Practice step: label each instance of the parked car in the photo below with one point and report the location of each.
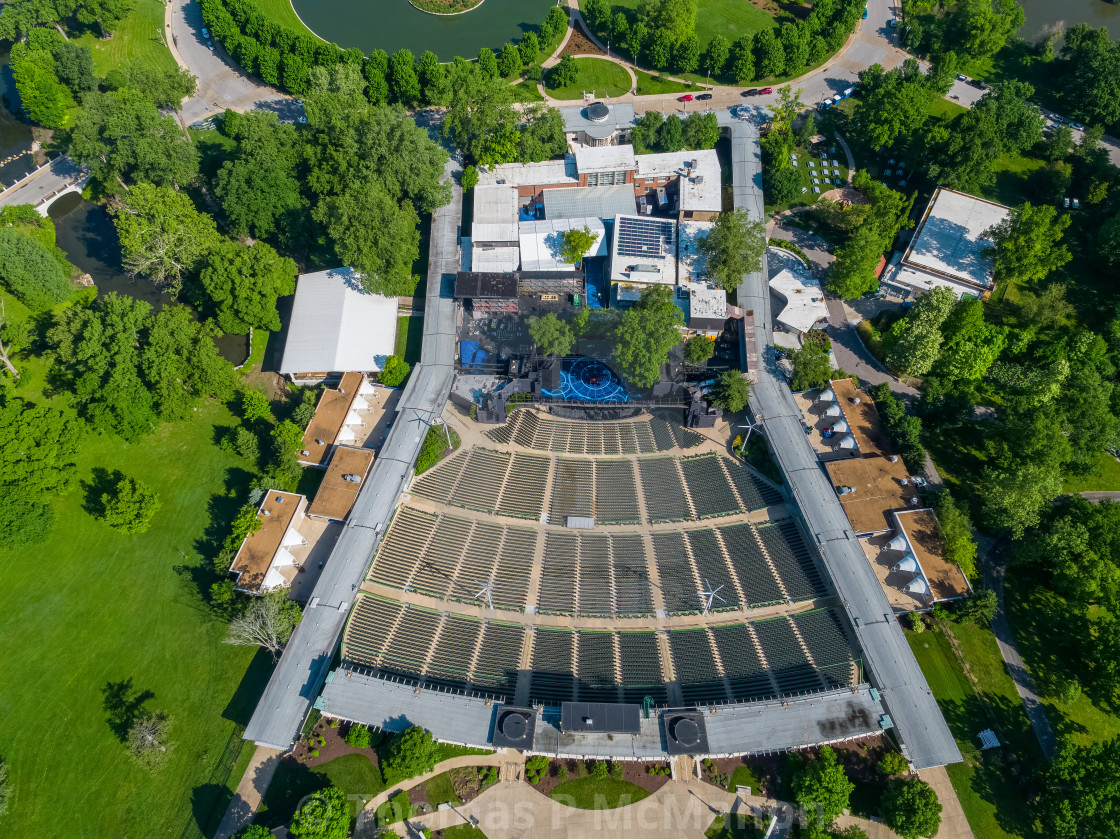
(865, 14)
(961, 77)
(752, 92)
(892, 22)
(704, 97)
(765, 91)
(686, 98)
(206, 33)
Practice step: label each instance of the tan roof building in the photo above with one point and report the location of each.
(879, 485)
(862, 417)
(922, 532)
(345, 474)
(339, 419)
(265, 561)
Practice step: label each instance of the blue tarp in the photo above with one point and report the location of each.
(471, 355)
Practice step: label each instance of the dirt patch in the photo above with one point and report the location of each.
(272, 385)
(329, 744)
(580, 43)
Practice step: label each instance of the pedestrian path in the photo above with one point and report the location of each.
(250, 791)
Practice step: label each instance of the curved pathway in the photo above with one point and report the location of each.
(543, 91)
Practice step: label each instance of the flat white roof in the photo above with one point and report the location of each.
(541, 242)
(692, 264)
(706, 302)
(338, 326)
(644, 250)
(917, 279)
(530, 174)
(501, 260)
(949, 241)
(599, 158)
(805, 303)
(699, 175)
(620, 116)
(494, 204)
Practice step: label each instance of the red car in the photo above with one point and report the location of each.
(765, 90)
(686, 98)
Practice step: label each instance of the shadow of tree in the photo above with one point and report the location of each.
(123, 703)
(102, 482)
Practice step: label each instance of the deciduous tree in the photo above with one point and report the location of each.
(269, 622)
(243, 284)
(730, 392)
(823, 788)
(1028, 243)
(410, 753)
(325, 815)
(130, 507)
(552, 336)
(646, 334)
(911, 809)
(733, 247)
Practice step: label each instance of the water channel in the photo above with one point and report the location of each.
(1094, 12)
(393, 24)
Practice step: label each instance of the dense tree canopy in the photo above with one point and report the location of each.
(323, 815)
(911, 808)
(243, 283)
(551, 335)
(129, 368)
(130, 506)
(38, 445)
(31, 271)
(733, 247)
(124, 138)
(1028, 243)
(646, 334)
(410, 753)
(1091, 61)
(823, 788)
(165, 86)
(164, 238)
(893, 105)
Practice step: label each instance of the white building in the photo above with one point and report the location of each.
(644, 250)
(337, 327)
(949, 247)
(541, 243)
(804, 300)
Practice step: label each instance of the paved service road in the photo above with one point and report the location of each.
(221, 83)
(43, 182)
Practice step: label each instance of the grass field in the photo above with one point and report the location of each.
(440, 790)
(985, 782)
(1107, 478)
(281, 12)
(651, 84)
(526, 91)
(730, 18)
(595, 74)
(410, 335)
(1035, 616)
(355, 774)
(593, 794)
(138, 38)
(92, 607)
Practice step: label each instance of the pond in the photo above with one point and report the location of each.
(85, 231)
(1094, 12)
(395, 24)
(15, 131)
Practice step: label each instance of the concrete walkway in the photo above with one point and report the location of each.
(994, 570)
(682, 809)
(250, 791)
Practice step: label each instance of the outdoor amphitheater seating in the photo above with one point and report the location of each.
(616, 498)
(573, 490)
(746, 676)
(663, 489)
(453, 651)
(499, 657)
(559, 586)
(639, 662)
(512, 572)
(436, 566)
(708, 486)
(792, 560)
(482, 480)
(707, 553)
(695, 666)
(523, 494)
(369, 628)
(596, 584)
(596, 668)
(407, 650)
(632, 586)
(439, 482)
(786, 657)
(679, 586)
(754, 492)
(750, 566)
(530, 430)
(828, 645)
(397, 555)
(553, 675)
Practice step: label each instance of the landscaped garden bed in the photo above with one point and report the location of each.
(595, 785)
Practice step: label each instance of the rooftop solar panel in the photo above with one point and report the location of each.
(644, 238)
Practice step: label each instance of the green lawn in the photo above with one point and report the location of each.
(1037, 617)
(526, 91)
(140, 38)
(410, 334)
(985, 782)
(1107, 478)
(91, 607)
(355, 774)
(651, 84)
(281, 12)
(440, 790)
(593, 794)
(730, 18)
(743, 776)
(733, 827)
(603, 77)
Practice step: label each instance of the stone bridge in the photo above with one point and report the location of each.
(45, 185)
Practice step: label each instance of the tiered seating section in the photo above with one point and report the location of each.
(725, 663)
(675, 488)
(530, 430)
(596, 574)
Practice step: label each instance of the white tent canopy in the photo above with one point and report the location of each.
(898, 543)
(840, 426)
(847, 442)
(918, 585)
(826, 395)
(833, 410)
(908, 563)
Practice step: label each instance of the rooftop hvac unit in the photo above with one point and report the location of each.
(699, 179)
